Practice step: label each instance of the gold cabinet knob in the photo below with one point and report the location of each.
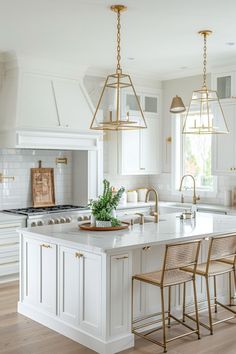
(146, 248)
(46, 246)
(123, 257)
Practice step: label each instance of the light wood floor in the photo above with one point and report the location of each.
(20, 335)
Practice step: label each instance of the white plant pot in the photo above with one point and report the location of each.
(93, 220)
(100, 223)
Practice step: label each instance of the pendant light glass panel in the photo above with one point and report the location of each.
(118, 115)
(205, 115)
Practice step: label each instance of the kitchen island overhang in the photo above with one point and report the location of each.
(78, 283)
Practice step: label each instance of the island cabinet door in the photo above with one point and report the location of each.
(69, 284)
(40, 274)
(152, 260)
(120, 284)
(90, 293)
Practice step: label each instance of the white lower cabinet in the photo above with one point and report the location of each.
(69, 285)
(90, 293)
(79, 278)
(9, 250)
(119, 296)
(40, 269)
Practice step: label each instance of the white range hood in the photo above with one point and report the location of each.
(44, 105)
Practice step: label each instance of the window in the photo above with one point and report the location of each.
(193, 156)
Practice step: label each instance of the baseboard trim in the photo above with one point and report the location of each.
(111, 346)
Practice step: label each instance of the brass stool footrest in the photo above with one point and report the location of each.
(147, 316)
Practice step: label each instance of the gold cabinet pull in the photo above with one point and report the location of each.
(2, 177)
(146, 248)
(119, 258)
(78, 255)
(46, 246)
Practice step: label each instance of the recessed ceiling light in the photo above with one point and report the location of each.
(230, 43)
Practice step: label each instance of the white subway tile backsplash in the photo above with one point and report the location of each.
(17, 193)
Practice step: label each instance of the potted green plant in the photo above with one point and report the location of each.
(103, 208)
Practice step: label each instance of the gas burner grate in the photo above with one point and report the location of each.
(45, 210)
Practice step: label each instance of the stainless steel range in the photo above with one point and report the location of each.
(58, 214)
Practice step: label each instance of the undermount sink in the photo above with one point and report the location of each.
(147, 220)
(181, 205)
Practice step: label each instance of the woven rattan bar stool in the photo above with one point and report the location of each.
(220, 248)
(231, 260)
(177, 256)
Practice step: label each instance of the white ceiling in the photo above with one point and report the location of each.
(160, 34)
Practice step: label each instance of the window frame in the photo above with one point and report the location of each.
(177, 162)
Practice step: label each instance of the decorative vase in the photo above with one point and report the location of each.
(100, 223)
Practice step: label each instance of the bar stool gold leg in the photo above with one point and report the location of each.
(209, 304)
(230, 290)
(169, 305)
(215, 295)
(163, 318)
(132, 304)
(196, 307)
(234, 281)
(184, 299)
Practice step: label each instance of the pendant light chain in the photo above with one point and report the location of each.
(118, 68)
(204, 60)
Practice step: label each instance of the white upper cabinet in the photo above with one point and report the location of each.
(225, 85)
(136, 152)
(49, 102)
(224, 148)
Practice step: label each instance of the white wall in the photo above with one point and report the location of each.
(17, 163)
(182, 87)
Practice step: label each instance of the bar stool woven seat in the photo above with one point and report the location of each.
(215, 268)
(171, 277)
(229, 260)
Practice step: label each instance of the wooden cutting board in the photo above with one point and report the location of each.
(42, 183)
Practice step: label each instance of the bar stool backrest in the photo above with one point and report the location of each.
(180, 255)
(222, 247)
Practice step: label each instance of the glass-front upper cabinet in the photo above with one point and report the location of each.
(151, 104)
(224, 84)
(148, 102)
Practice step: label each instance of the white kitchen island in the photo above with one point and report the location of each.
(79, 283)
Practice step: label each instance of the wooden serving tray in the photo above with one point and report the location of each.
(87, 226)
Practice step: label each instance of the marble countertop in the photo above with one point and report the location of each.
(169, 229)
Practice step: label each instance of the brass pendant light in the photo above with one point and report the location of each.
(118, 116)
(177, 105)
(205, 114)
